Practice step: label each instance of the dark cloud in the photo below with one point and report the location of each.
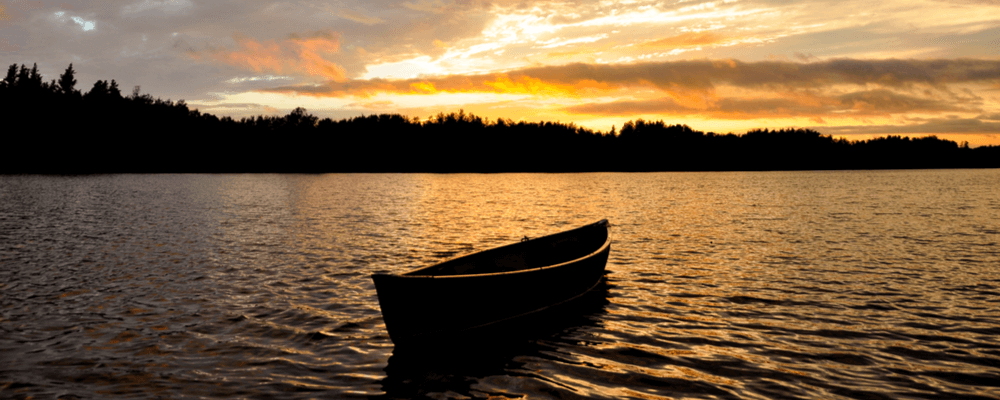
(707, 74)
(884, 101)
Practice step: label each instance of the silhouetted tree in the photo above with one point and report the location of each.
(300, 118)
(35, 78)
(23, 77)
(114, 90)
(140, 133)
(67, 83)
(11, 77)
(99, 91)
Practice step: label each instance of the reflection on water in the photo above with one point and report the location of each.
(464, 366)
(730, 285)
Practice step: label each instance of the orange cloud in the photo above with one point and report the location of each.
(527, 85)
(295, 55)
(311, 51)
(719, 89)
(489, 83)
(422, 88)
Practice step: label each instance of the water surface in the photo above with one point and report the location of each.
(810, 285)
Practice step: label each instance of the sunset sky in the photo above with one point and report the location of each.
(847, 68)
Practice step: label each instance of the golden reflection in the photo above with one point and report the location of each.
(660, 370)
(460, 212)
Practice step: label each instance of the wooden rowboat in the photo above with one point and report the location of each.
(477, 291)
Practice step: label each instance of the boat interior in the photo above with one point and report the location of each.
(534, 253)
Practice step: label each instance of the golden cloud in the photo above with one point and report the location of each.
(492, 83)
(300, 55)
(720, 89)
(687, 39)
(697, 75)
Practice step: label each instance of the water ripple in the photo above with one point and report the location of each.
(804, 285)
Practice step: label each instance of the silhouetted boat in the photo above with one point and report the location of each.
(477, 292)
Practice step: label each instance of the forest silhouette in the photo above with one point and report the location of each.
(65, 131)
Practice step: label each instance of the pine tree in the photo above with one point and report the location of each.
(67, 83)
(23, 77)
(114, 90)
(35, 79)
(100, 90)
(11, 77)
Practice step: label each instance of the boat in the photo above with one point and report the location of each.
(496, 287)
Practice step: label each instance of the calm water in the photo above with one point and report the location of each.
(811, 285)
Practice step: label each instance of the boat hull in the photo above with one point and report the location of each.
(418, 308)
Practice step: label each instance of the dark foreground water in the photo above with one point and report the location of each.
(812, 285)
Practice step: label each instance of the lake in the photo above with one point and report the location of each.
(791, 285)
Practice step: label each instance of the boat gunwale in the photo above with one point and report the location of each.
(607, 243)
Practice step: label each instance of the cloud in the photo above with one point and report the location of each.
(235, 110)
(265, 78)
(15, 10)
(358, 17)
(720, 89)
(542, 58)
(883, 101)
(299, 55)
(706, 74)
(559, 42)
(7, 46)
(159, 6)
(931, 126)
(702, 77)
(633, 107)
(687, 39)
(84, 24)
(491, 83)
(780, 105)
(427, 6)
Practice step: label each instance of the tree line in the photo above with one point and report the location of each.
(53, 127)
